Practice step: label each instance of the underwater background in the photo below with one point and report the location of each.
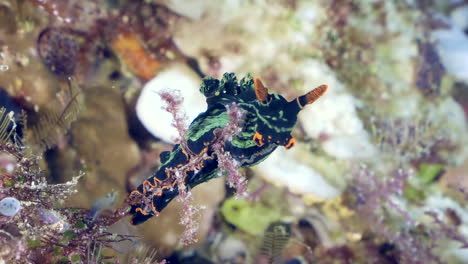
(92, 92)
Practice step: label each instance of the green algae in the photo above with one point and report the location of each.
(250, 217)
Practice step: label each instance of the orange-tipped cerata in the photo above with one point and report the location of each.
(312, 96)
(291, 143)
(258, 139)
(260, 91)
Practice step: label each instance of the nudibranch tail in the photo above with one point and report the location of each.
(312, 96)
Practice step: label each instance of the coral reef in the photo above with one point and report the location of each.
(92, 102)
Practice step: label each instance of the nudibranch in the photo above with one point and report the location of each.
(268, 122)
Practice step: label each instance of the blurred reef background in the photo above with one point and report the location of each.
(379, 172)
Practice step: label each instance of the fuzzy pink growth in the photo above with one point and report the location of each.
(173, 106)
(189, 212)
(372, 192)
(372, 195)
(225, 161)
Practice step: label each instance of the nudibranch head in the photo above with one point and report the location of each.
(277, 117)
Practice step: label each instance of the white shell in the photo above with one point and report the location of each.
(149, 107)
(9, 206)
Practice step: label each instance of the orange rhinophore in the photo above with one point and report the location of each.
(312, 96)
(260, 91)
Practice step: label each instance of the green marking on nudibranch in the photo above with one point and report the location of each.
(217, 119)
(241, 142)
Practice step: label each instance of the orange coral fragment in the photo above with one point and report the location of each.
(132, 52)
